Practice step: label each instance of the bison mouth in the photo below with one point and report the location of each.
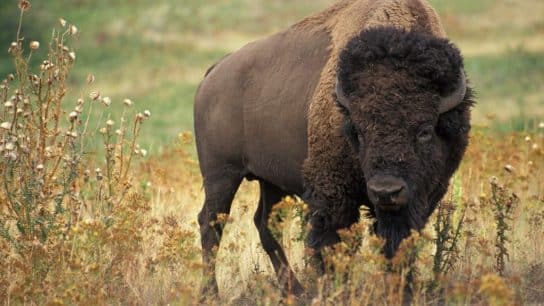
(389, 208)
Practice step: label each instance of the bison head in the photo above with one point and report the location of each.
(406, 109)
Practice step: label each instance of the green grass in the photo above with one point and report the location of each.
(521, 123)
(514, 72)
(156, 52)
(509, 85)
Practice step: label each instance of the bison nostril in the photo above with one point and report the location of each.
(387, 190)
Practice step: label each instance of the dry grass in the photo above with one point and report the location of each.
(74, 234)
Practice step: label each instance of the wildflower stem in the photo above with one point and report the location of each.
(19, 26)
(135, 132)
(85, 126)
(121, 141)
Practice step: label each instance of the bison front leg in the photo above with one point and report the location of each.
(325, 224)
(271, 195)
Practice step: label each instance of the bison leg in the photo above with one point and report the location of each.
(271, 195)
(219, 190)
(409, 277)
(324, 231)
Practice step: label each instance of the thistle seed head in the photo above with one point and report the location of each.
(6, 125)
(94, 95)
(106, 101)
(34, 45)
(73, 30)
(73, 116)
(24, 5)
(13, 48)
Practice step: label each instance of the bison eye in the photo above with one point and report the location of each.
(425, 134)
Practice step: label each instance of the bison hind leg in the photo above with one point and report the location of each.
(219, 189)
(271, 195)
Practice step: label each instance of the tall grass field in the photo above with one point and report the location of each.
(100, 186)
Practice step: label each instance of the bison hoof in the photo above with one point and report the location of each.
(209, 292)
(297, 289)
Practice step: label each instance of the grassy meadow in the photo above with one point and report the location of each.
(98, 201)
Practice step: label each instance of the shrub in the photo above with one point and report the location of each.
(62, 225)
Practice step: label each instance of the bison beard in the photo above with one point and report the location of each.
(395, 227)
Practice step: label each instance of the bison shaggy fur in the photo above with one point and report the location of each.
(365, 104)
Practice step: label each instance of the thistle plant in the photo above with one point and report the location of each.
(39, 151)
(448, 226)
(448, 231)
(503, 203)
(47, 192)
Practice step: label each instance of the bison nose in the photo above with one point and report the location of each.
(387, 192)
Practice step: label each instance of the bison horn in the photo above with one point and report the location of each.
(449, 102)
(340, 96)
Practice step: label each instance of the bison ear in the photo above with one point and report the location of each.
(340, 96)
(456, 124)
(456, 97)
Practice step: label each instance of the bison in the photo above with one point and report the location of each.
(363, 104)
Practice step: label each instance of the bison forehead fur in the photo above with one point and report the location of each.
(433, 61)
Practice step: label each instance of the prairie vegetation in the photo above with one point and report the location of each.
(87, 215)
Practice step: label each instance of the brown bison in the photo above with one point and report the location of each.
(365, 103)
